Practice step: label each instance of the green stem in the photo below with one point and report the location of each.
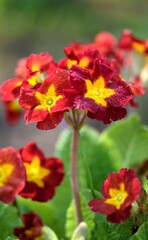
(74, 175)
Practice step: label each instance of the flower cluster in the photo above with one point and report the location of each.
(29, 173)
(120, 191)
(89, 79)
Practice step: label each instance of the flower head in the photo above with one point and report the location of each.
(101, 91)
(32, 227)
(43, 174)
(120, 191)
(46, 105)
(83, 59)
(39, 67)
(13, 111)
(10, 91)
(12, 174)
(129, 42)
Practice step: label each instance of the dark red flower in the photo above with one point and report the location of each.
(101, 91)
(32, 227)
(43, 174)
(12, 174)
(120, 191)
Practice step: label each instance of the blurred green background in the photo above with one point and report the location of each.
(33, 26)
(48, 25)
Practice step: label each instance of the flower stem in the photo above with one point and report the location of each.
(74, 175)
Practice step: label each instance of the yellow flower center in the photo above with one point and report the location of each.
(138, 47)
(35, 172)
(39, 77)
(35, 67)
(5, 172)
(84, 62)
(18, 84)
(118, 196)
(70, 63)
(14, 105)
(97, 91)
(29, 232)
(49, 99)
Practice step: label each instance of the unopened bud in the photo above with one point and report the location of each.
(80, 232)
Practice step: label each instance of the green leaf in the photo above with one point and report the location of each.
(106, 230)
(92, 152)
(122, 144)
(9, 219)
(129, 140)
(97, 155)
(87, 214)
(142, 233)
(44, 209)
(89, 153)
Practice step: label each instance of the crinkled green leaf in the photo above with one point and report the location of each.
(109, 231)
(142, 233)
(128, 139)
(9, 219)
(87, 214)
(97, 158)
(45, 210)
(122, 144)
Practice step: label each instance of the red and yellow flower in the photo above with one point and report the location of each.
(129, 42)
(101, 91)
(10, 91)
(13, 111)
(46, 105)
(84, 59)
(29, 72)
(120, 191)
(137, 64)
(104, 42)
(12, 174)
(39, 67)
(43, 174)
(32, 228)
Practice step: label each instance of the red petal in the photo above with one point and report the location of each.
(119, 216)
(99, 206)
(51, 121)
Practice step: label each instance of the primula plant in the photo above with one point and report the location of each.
(95, 187)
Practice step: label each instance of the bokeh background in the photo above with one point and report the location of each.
(34, 26)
